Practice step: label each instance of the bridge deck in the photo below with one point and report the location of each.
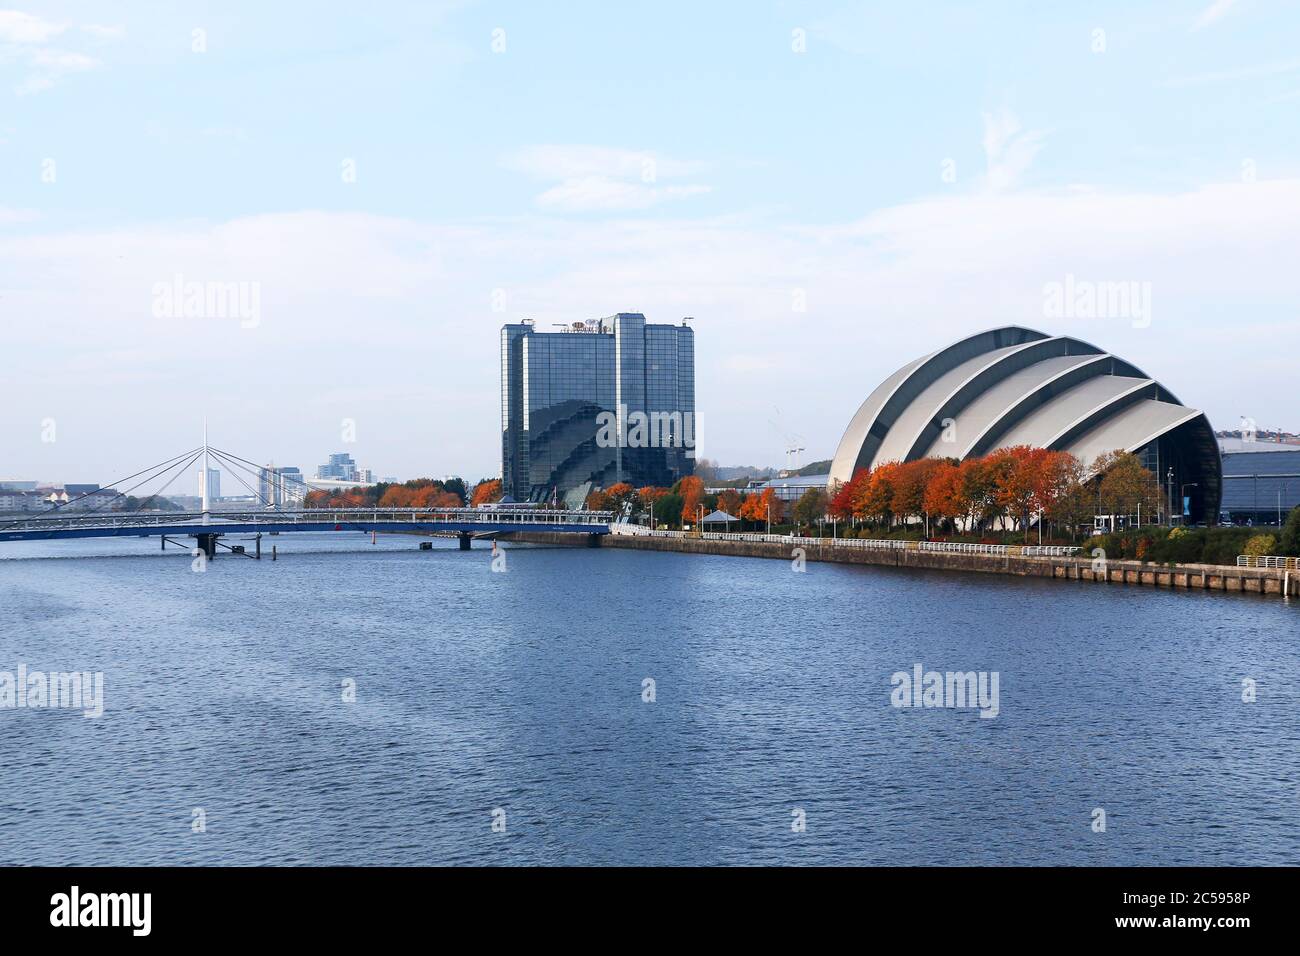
(450, 520)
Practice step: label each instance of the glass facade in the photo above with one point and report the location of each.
(559, 388)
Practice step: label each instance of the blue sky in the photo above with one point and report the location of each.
(908, 173)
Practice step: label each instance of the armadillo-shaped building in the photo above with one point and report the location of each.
(1016, 386)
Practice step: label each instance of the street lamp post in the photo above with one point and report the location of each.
(1169, 477)
(1182, 491)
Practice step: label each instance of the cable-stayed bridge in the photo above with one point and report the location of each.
(205, 526)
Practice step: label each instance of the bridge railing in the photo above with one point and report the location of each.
(487, 517)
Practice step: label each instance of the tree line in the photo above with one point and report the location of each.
(686, 502)
(1007, 489)
(416, 493)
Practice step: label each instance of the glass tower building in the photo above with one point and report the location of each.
(598, 403)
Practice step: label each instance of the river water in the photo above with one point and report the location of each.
(500, 718)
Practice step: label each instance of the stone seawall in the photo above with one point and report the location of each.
(1208, 577)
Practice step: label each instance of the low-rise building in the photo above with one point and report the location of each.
(1261, 481)
(14, 500)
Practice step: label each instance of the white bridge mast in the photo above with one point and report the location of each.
(203, 478)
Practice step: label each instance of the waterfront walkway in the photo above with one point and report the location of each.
(1056, 563)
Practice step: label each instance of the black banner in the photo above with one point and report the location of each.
(336, 904)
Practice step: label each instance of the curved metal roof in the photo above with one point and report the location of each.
(1017, 386)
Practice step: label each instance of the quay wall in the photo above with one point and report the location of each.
(1206, 577)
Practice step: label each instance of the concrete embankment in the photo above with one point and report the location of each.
(1208, 577)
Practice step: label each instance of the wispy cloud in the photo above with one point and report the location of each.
(1008, 149)
(17, 215)
(19, 27)
(1256, 71)
(600, 178)
(1213, 13)
(929, 271)
(25, 40)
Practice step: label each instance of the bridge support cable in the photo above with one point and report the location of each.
(257, 469)
(152, 473)
(170, 481)
(223, 458)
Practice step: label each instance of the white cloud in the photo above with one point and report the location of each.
(1008, 149)
(1241, 73)
(596, 193)
(17, 215)
(19, 27)
(573, 162)
(348, 297)
(24, 40)
(600, 178)
(1213, 13)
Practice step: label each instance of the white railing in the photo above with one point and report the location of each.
(499, 517)
(1268, 561)
(874, 544)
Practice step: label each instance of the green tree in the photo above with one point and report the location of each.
(1261, 544)
(810, 507)
(1126, 487)
(457, 487)
(668, 510)
(1290, 543)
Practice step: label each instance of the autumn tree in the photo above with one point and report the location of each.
(622, 497)
(1018, 481)
(1126, 487)
(691, 488)
(486, 492)
(396, 496)
(774, 505)
(911, 478)
(1075, 500)
(846, 497)
(729, 501)
(977, 493)
(875, 502)
(943, 498)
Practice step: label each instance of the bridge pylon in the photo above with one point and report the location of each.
(207, 543)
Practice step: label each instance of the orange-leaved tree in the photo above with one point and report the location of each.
(730, 501)
(691, 488)
(486, 492)
(943, 499)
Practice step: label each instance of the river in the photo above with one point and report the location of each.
(503, 717)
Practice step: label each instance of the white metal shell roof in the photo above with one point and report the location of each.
(1002, 387)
